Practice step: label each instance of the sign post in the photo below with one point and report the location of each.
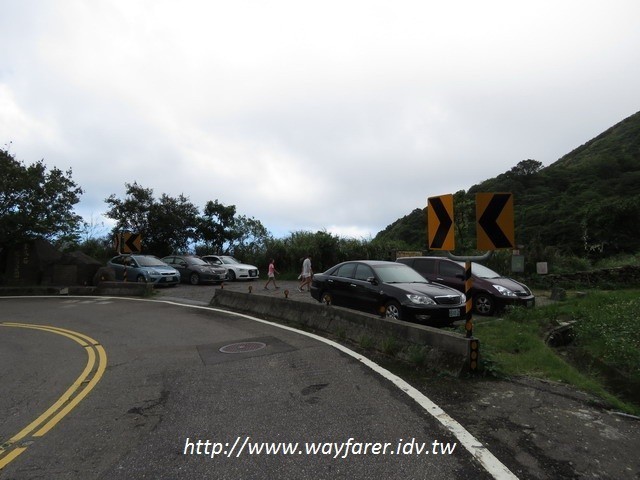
(494, 230)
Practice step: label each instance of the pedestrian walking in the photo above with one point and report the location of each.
(306, 275)
(271, 275)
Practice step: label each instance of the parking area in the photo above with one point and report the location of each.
(204, 293)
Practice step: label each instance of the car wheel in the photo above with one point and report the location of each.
(141, 279)
(232, 275)
(483, 304)
(194, 279)
(326, 298)
(392, 310)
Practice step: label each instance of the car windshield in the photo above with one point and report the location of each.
(150, 262)
(398, 273)
(229, 260)
(196, 261)
(481, 271)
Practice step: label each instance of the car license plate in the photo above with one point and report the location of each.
(454, 312)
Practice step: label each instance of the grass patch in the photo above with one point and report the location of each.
(389, 346)
(605, 330)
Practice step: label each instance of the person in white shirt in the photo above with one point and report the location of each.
(306, 275)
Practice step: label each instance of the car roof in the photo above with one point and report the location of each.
(434, 257)
(371, 262)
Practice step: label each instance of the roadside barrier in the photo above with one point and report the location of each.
(444, 350)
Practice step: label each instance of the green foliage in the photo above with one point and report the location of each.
(166, 225)
(174, 224)
(587, 204)
(36, 202)
(132, 213)
(389, 345)
(608, 328)
(216, 227)
(409, 231)
(417, 355)
(173, 221)
(605, 329)
(326, 250)
(366, 342)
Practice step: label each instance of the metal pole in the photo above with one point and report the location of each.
(474, 344)
(468, 285)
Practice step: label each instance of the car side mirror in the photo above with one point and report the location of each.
(372, 280)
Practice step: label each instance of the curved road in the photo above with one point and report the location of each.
(190, 393)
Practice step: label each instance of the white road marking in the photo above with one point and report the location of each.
(490, 463)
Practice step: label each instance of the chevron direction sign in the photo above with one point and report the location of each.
(128, 243)
(440, 230)
(494, 221)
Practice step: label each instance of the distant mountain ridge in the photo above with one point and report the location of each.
(587, 201)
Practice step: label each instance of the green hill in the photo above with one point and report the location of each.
(586, 202)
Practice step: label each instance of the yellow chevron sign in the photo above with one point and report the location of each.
(440, 232)
(494, 221)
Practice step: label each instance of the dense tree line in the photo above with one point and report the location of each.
(37, 202)
(175, 225)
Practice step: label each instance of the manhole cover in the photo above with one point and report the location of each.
(243, 347)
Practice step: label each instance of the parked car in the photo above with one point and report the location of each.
(195, 270)
(390, 288)
(235, 269)
(144, 268)
(491, 292)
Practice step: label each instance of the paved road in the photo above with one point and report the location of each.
(538, 429)
(157, 382)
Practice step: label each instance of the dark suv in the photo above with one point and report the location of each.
(491, 291)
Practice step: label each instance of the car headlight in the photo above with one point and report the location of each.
(463, 298)
(505, 292)
(420, 299)
(243, 270)
(153, 272)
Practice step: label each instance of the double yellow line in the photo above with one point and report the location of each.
(90, 376)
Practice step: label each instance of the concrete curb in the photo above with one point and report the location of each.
(108, 289)
(443, 350)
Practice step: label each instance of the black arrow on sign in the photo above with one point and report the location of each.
(489, 218)
(445, 222)
(130, 243)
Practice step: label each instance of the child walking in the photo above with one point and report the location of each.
(272, 275)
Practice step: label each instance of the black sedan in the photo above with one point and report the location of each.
(391, 289)
(491, 292)
(195, 270)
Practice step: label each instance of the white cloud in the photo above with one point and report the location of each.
(342, 116)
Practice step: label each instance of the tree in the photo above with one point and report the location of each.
(526, 168)
(36, 202)
(132, 213)
(165, 226)
(172, 225)
(216, 226)
(251, 237)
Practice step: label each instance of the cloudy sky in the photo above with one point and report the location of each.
(338, 115)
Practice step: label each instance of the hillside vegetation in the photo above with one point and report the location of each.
(586, 204)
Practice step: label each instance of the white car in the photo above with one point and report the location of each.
(235, 269)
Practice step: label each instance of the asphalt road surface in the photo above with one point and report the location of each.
(130, 389)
